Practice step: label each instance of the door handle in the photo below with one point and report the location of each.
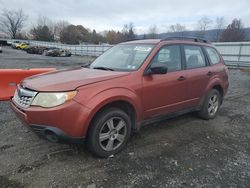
(210, 73)
(181, 78)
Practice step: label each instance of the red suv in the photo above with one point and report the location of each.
(132, 84)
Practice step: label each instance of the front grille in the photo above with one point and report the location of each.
(23, 97)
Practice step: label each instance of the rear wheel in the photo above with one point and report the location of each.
(211, 105)
(109, 132)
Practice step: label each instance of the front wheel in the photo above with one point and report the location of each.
(109, 132)
(211, 105)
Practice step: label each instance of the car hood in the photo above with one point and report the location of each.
(68, 80)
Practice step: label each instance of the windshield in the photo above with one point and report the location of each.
(123, 57)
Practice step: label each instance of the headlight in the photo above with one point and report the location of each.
(52, 99)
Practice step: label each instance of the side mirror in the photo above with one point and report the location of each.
(156, 69)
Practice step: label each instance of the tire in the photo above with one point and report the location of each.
(109, 132)
(211, 105)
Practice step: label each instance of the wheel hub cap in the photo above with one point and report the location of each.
(213, 105)
(112, 133)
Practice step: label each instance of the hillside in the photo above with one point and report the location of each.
(209, 34)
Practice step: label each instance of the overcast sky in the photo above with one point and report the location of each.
(113, 14)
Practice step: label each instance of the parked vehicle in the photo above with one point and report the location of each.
(36, 49)
(1, 49)
(130, 85)
(56, 52)
(14, 44)
(47, 49)
(22, 46)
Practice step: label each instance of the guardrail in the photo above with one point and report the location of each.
(234, 53)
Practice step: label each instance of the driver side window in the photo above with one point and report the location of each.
(169, 56)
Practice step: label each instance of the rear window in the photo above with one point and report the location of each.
(213, 55)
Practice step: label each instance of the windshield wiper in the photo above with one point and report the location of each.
(103, 68)
(86, 65)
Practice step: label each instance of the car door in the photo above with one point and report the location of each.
(198, 73)
(165, 93)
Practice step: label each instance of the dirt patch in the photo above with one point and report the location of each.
(5, 182)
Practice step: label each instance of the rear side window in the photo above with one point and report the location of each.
(213, 55)
(194, 57)
(169, 56)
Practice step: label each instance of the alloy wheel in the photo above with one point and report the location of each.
(213, 105)
(112, 134)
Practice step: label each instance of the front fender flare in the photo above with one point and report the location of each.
(111, 95)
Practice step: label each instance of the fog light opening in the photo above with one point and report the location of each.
(51, 136)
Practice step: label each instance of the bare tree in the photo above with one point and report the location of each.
(12, 22)
(234, 32)
(152, 32)
(43, 30)
(58, 27)
(203, 24)
(43, 20)
(219, 26)
(178, 28)
(128, 32)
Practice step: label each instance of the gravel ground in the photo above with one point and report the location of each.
(182, 152)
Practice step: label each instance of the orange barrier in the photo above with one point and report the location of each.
(10, 78)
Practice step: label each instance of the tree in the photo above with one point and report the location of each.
(42, 33)
(12, 22)
(234, 32)
(75, 34)
(219, 26)
(96, 38)
(128, 32)
(152, 32)
(178, 28)
(58, 27)
(111, 37)
(203, 24)
(131, 32)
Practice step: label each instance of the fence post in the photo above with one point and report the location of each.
(239, 54)
(87, 50)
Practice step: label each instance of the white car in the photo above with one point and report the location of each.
(14, 44)
(1, 49)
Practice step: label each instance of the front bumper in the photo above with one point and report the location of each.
(65, 123)
(54, 134)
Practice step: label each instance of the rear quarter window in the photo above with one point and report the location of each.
(213, 55)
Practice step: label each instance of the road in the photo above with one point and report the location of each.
(181, 152)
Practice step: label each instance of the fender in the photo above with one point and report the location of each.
(213, 82)
(111, 95)
(10, 78)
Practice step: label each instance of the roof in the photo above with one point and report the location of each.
(192, 40)
(146, 41)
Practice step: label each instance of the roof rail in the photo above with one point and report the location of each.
(194, 39)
